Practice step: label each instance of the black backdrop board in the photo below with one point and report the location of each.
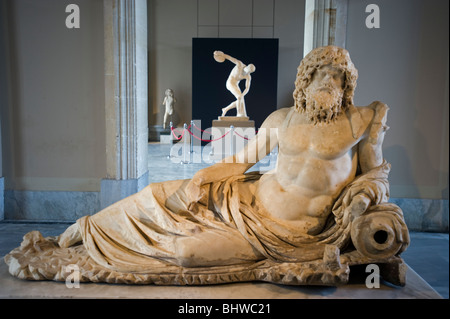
(209, 93)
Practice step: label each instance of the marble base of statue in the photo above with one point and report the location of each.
(223, 145)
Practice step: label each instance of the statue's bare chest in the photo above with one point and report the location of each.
(326, 141)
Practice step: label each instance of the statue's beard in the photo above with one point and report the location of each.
(323, 105)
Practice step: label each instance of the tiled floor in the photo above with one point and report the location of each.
(428, 254)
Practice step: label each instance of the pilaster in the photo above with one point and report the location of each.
(325, 24)
(125, 23)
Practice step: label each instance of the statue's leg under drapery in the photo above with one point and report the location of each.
(155, 236)
(156, 223)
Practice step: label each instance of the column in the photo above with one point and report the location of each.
(125, 23)
(325, 24)
(3, 97)
(2, 180)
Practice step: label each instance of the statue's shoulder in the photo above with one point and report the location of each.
(277, 118)
(374, 116)
(283, 112)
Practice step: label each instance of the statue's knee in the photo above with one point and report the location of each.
(194, 252)
(70, 237)
(185, 255)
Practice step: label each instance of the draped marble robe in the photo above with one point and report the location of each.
(134, 240)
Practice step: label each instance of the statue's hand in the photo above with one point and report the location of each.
(358, 205)
(194, 190)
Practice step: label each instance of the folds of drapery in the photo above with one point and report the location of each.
(139, 232)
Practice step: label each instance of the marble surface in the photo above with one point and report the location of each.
(428, 256)
(11, 287)
(49, 205)
(113, 190)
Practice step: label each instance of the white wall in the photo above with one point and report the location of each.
(173, 24)
(405, 64)
(53, 123)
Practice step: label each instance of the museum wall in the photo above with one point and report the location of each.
(53, 129)
(405, 64)
(173, 24)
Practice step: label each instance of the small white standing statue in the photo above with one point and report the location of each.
(169, 101)
(239, 72)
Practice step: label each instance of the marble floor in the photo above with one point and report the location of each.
(427, 256)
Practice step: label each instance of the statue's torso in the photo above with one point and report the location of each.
(169, 101)
(315, 162)
(236, 75)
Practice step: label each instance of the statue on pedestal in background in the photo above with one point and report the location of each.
(169, 101)
(238, 73)
(322, 209)
(224, 123)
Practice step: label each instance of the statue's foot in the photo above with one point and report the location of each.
(70, 237)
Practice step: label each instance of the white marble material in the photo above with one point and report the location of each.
(290, 226)
(168, 102)
(415, 288)
(239, 72)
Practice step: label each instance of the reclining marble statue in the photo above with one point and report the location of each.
(323, 209)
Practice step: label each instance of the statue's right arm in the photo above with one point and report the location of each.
(262, 144)
(255, 150)
(231, 59)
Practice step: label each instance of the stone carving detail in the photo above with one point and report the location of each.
(323, 209)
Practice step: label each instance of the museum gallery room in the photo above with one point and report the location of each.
(224, 150)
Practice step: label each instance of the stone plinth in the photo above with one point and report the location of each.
(415, 288)
(236, 121)
(155, 132)
(229, 135)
